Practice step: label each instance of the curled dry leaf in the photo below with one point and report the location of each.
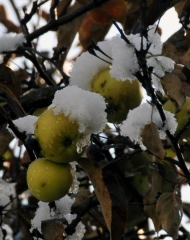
(172, 84)
(151, 140)
(170, 210)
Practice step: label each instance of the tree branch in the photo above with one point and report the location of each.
(65, 19)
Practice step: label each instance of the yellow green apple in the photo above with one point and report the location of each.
(182, 116)
(121, 96)
(57, 136)
(49, 181)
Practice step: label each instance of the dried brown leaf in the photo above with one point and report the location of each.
(185, 89)
(110, 195)
(62, 7)
(8, 82)
(90, 31)
(66, 33)
(132, 14)
(151, 139)
(119, 205)
(11, 87)
(172, 84)
(53, 229)
(163, 179)
(177, 54)
(179, 7)
(170, 210)
(44, 15)
(95, 175)
(3, 14)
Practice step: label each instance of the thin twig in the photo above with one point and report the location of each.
(63, 20)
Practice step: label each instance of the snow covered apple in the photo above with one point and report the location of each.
(58, 137)
(49, 181)
(63, 130)
(182, 116)
(121, 96)
(120, 88)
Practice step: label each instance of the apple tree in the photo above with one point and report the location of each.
(99, 151)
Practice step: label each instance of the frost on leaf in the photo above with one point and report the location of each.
(151, 140)
(172, 84)
(163, 179)
(84, 107)
(170, 210)
(145, 114)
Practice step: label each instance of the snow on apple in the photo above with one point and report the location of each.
(124, 65)
(87, 66)
(145, 114)
(84, 107)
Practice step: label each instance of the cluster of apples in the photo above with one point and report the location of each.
(50, 178)
(63, 131)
